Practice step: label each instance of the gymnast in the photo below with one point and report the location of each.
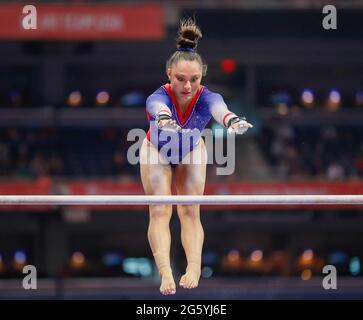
(177, 107)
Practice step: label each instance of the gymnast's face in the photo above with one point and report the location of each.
(185, 77)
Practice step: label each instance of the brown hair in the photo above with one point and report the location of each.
(186, 42)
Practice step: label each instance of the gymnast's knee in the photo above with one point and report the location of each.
(190, 211)
(160, 212)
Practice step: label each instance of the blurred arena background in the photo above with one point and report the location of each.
(71, 91)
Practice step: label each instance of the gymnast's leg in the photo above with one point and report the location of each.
(156, 179)
(190, 180)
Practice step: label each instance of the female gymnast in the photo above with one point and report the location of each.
(177, 108)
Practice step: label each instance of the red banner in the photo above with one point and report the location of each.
(77, 22)
(105, 187)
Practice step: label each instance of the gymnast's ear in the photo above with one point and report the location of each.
(168, 73)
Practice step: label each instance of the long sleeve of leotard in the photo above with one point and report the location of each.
(157, 104)
(219, 109)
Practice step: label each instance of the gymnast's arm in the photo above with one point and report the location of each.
(225, 117)
(157, 108)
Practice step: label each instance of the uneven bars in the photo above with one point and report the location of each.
(207, 200)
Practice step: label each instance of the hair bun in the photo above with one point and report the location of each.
(188, 35)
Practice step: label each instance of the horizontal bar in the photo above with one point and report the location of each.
(207, 199)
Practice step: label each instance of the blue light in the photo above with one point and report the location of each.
(207, 272)
(132, 99)
(281, 97)
(354, 266)
(338, 258)
(130, 265)
(209, 258)
(307, 96)
(334, 96)
(112, 259)
(20, 257)
(145, 268)
(137, 266)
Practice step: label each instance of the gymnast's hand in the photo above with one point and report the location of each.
(239, 126)
(166, 123)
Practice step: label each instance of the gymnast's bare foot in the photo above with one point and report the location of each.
(167, 284)
(190, 279)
